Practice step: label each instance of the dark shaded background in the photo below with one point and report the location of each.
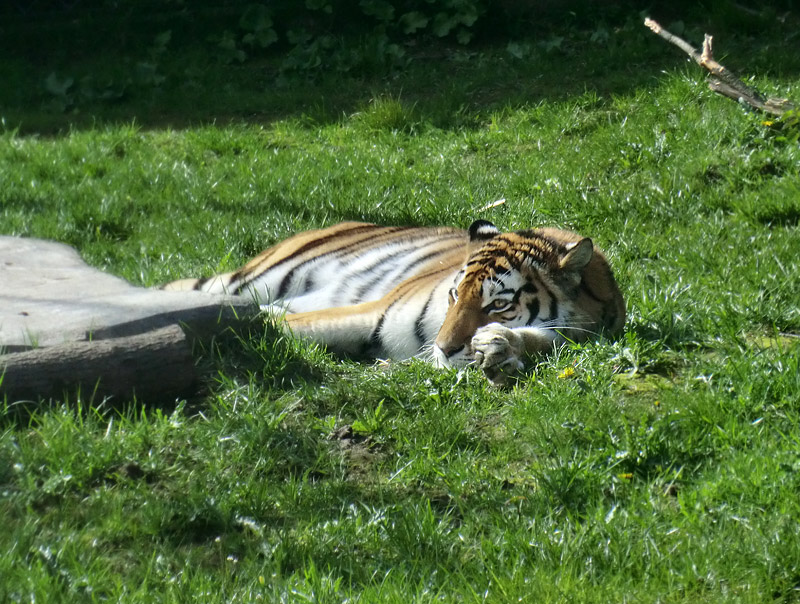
(76, 63)
(31, 26)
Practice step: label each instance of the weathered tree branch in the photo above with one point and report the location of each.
(722, 81)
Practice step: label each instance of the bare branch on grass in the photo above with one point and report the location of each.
(721, 79)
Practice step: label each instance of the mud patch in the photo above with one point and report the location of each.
(359, 451)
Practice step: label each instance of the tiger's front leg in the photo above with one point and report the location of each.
(500, 351)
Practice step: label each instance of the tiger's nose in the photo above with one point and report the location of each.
(449, 351)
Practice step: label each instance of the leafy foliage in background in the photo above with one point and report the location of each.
(325, 34)
(64, 93)
(315, 37)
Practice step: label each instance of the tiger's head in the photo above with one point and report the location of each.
(524, 278)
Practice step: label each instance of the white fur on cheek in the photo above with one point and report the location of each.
(461, 358)
(439, 358)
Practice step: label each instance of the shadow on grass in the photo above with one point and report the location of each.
(68, 71)
(261, 350)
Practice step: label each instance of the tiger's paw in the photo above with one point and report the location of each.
(498, 352)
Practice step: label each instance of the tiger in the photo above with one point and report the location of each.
(480, 297)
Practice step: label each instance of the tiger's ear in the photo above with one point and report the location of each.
(578, 255)
(482, 230)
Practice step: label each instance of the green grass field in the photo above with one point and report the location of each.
(661, 467)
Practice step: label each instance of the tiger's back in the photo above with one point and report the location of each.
(342, 265)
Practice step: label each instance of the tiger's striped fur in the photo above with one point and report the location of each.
(461, 297)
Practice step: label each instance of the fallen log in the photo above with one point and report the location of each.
(156, 366)
(66, 327)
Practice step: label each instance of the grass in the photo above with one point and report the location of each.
(660, 467)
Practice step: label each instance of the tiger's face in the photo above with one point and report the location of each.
(518, 279)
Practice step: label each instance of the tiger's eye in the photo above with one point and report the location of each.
(498, 305)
